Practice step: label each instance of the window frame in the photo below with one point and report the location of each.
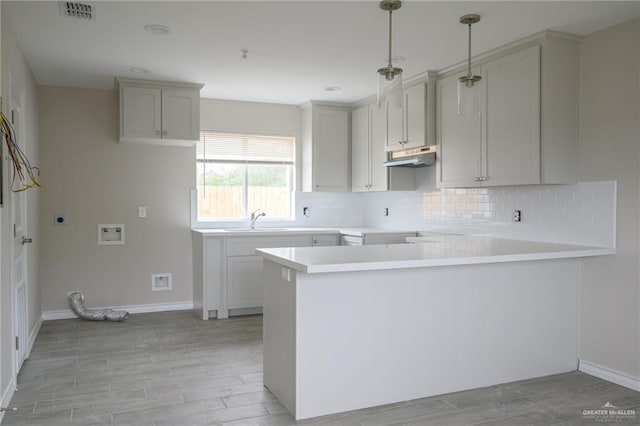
(246, 164)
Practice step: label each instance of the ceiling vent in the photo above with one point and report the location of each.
(73, 9)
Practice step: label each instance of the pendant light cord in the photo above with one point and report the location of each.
(469, 75)
(390, 33)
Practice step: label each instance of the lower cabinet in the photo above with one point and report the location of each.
(228, 274)
(244, 281)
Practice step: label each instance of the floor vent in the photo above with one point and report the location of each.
(73, 9)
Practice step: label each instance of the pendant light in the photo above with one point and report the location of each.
(468, 87)
(390, 77)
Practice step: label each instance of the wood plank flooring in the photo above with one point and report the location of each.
(172, 368)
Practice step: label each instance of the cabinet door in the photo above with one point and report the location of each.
(415, 116)
(360, 150)
(377, 139)
(512, 119)
(141, 113)
(180, 114)
(213, 274)
(459, 136)
(331, 134)
(244, 277)
(395, 126)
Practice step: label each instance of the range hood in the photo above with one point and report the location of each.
(413, 157)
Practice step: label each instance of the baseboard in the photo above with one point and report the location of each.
(7, 394)
(610, 375)
(132, 309)
(34, 334)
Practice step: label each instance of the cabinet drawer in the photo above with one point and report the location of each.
(324, 240)
(245, 246)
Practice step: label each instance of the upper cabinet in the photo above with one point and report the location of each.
(325, 147)
(159, 113)
(526, 130)
(411, 124)
(368, 141)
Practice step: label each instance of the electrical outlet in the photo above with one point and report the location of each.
(517, 216)
(306, 211)
(59, 219)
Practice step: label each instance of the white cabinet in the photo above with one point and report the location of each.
(500, 145)
(244, 281)
(159, 113)
(368, 139)
(410, 125)
(325, 147)
(526, 130)
(227, 273)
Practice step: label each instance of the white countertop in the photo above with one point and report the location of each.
(235, 232)
(428, 251)
(358, 232)
(362, 232)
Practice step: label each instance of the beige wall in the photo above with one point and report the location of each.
(15, 71)
(610, 149)
(92, 179)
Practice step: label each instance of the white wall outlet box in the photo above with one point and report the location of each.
(285, 274)
(517, 216)
(59, 219)
(161, 282)
(110, 234)
(142, 211)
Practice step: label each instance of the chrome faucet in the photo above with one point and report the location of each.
(254, 217)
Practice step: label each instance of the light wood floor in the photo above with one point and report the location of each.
(172, 368)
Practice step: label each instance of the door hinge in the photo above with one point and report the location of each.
(17, 343)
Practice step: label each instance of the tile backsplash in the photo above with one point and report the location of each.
(584, 213)
(578, 214)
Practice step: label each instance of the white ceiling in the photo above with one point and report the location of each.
(296, 48)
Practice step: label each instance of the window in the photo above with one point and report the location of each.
(238, 174)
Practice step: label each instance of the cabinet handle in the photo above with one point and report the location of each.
(164, 133)
(315, 241)
(158, 133)
(478, 179)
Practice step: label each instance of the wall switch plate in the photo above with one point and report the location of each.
(517, 216)
(142, 212)
(59, 219)
(385, 212)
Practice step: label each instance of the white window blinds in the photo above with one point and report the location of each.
(233, 147)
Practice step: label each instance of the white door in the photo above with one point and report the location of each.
(143, 108)
(20, 238)
(180, 114)
(245, 281)
(360, 150)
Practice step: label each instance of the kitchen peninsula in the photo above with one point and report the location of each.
(353, 327)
